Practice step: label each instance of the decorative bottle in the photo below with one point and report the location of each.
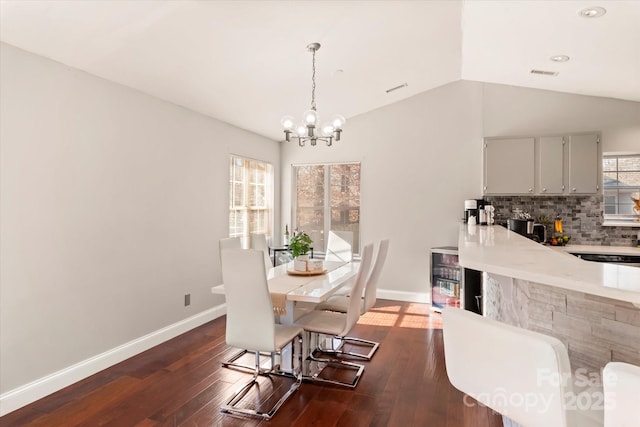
(558, 225)
(286, 234)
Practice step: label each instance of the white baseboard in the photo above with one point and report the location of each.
(28, 393)
(423, 297)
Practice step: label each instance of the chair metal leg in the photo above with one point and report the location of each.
(335, 363)
(230, 405)
(355, 341)
(232, 364)
(338, 364)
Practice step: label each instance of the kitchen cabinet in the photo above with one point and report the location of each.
(584, 164)
(508, 165)
(551, 165)
(542, 165)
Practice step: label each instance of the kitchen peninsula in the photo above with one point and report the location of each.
(594, 308)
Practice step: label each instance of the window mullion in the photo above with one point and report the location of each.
(327, 203)
(245, 178)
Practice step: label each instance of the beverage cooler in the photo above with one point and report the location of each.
(452, 285)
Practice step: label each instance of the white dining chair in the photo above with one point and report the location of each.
(259, 242)
(521, 374)
(340, 303)
(251, 325)
(337, 325)
(339, 246)
(226, 244)
(621, 394)
(229, 243)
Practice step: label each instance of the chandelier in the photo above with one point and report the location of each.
(308, 129)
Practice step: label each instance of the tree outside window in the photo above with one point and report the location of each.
(327, 197)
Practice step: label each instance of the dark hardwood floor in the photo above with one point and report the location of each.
(182, 383)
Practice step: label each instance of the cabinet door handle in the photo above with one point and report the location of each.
(573, 189)
(531, 190)
(544, 190)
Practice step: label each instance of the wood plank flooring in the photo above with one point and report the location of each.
(181, 383)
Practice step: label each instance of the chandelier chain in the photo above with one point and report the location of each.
(313, 81)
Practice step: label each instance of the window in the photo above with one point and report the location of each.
(250, 198)
(621, 184)
(327, 197)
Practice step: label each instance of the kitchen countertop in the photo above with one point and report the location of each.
(497, 250)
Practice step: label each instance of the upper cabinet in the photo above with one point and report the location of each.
(542, 165)
(584, 164)
(550, 165)
(508, 165)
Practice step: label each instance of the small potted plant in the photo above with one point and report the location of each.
(300, 244)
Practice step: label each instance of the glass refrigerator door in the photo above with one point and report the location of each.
(445, 280)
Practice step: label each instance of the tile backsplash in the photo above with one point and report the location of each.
(581, 216)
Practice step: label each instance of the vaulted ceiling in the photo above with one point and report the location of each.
(246, 63)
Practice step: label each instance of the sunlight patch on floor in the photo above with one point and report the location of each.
(416, 316)
(418, 308)
(409, 321)
(378, 319)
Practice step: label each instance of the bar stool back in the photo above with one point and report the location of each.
(523, 375)
(621, 395)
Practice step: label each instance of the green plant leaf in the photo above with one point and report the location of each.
(300, 244)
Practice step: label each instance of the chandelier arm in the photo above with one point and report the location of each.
(304, 139)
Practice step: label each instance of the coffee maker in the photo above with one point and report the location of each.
(471, 210)
(481, 209)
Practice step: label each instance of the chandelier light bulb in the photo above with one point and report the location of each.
(288, 123)
(338, 121)
(328, 129)
(310, 117)
(301, 131)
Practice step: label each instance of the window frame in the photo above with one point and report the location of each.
(617, 219)
(327, 199)
(249, 179)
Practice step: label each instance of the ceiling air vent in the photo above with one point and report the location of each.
(396, 88)
(544, 73)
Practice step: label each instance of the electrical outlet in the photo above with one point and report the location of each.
(187, 299)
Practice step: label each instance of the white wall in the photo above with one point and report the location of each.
(112, 204)
(420, 160)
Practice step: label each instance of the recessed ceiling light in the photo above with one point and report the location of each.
(559, 58)
(592, 12)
